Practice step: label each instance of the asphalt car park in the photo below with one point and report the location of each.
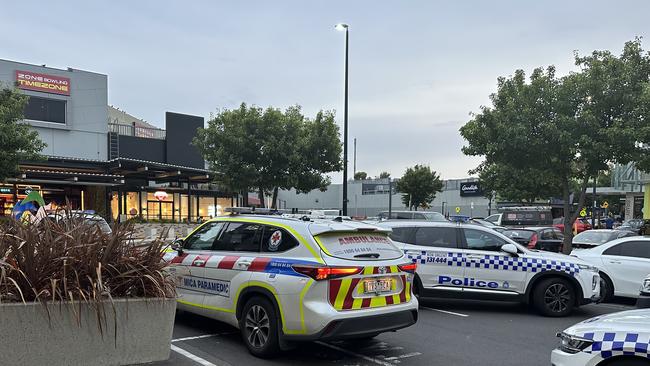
(458, 332)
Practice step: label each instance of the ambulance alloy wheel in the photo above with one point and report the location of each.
(554, 297)
(259, 327)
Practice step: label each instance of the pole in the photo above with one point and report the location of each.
(345, 131)
(390, 197)
(593, 211)
(354, 165)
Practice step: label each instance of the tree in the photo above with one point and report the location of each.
(419, 186)
(250, 148)
(384, 175)
(360, 175)
(18, 141)
(549, 136)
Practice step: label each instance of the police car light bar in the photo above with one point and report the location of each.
(252, 211)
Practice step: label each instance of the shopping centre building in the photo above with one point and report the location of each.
(103, 159)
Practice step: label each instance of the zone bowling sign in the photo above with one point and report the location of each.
(42, 82)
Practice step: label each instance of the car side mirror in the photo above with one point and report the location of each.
(177, 245)
(510, 249)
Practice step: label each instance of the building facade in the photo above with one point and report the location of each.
(111, 163)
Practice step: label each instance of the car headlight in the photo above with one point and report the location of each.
(573, 344)
(586, 267)
(645, 288)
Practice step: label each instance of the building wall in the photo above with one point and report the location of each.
(84, 133)
(360, 204)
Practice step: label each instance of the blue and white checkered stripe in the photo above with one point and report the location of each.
(418, 258)
(518, 264)
(609, 344)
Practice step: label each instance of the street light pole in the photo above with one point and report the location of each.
(344, 27)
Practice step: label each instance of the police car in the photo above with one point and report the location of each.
(471, 261)
(618, 339)
(286, 279)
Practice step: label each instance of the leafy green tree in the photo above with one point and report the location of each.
(549, 136)
(384, 175)
(360, 175)
(419, 186)
(267, 150)
(18, 141)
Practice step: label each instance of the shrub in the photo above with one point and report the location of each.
(73, 260)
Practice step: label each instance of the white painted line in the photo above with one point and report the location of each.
(445, 311)
(192, 356)
(402, 356)
(195, 337)
(354, 354)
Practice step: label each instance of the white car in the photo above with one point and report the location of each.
(618, 339)
(285, 279)
(623, 264)
(644, 294)
(471, 261)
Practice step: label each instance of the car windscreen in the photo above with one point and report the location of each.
(434, 216)
(518, 234)
(593, 237)
(358, 245)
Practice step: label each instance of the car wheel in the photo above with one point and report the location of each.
(625, 362)
(554, 297)
(259, 327)
(417, 284)
(606, 289)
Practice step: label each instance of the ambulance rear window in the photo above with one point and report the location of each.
(358, 246)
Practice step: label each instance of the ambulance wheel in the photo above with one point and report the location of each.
(259, 327)
(554, 297)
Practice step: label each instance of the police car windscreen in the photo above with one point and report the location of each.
(358, 246)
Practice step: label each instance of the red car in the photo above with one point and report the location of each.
(579, 225)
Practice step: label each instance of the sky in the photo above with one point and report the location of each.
(418, 69)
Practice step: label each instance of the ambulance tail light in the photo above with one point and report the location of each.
(533, 242)
(408, 267)
(326, 273)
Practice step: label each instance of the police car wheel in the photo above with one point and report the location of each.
(259, 327)
(554, 297)
(625, 362)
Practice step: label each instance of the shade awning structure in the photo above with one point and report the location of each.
(156, 171)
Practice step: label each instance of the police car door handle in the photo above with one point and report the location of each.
(615, 262)
(474, 257)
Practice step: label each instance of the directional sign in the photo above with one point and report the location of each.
(457, 209)
(583, 212)
(605, 205)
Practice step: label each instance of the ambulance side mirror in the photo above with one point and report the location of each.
(177, 245)
(510, 249)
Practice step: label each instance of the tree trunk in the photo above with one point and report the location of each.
(569, 218)
(244, 198)
(260, 195)
(274, 201)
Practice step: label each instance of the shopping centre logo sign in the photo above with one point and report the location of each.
(42, 82)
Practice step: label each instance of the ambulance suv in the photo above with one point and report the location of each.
(285, 279)
(475, 262)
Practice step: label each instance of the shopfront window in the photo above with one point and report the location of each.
(132, 208)
(207, 208)
(183, 209)
(159, 206)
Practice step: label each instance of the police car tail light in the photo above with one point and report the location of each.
(573, 344)
(326, 273)
(533, 242)
(409, 267)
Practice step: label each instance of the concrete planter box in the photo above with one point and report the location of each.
(71, 335)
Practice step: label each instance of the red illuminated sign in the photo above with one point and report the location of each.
(42, 82)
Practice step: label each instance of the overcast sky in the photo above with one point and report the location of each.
(417, 68)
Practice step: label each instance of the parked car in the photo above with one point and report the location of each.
(623, 264)
(632, 225)
(593, 238)
(88, 217)
(644, 294)
(522, 216)
(488, 224)
(473, 262)
(412, 215)
(540, 238)
(580, 225)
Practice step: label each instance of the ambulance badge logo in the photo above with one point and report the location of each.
(381, 270)
(275, 240)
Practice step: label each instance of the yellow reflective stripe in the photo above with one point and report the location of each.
(300, 238)
(377, 301)
(408, 290)
(368, 270)
(204, 306)
(393, 269)
(303, 329)
(343, 291)
(396, 299)
(356, 303)
(322, 247)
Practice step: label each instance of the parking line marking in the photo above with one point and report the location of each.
(445, 311)
(354, 354)
(407, 355)
(195, 337)
(192, 356)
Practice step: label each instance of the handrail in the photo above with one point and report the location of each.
(137, 131)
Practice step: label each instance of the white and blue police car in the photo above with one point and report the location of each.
(618, 339)
(475, 262)
(281, 280)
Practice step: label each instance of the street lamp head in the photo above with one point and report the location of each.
(341, 27)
